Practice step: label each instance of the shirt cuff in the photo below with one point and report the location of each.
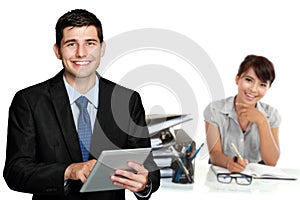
(65, 183)
(147, 191)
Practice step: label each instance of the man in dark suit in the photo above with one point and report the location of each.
(44, 155)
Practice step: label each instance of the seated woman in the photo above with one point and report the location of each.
(244, 121)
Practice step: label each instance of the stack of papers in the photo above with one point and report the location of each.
(163, 136)
(158, 122)
(164, 139)
(163, 157)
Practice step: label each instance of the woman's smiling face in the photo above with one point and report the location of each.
(250, 88)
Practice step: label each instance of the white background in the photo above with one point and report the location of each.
(226, 30)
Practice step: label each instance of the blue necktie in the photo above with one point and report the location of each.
(84, 127)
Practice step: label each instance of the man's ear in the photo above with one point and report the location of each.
(57, 51)
(103, 46)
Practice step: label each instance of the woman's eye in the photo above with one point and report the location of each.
(263, 85)
(248, 79)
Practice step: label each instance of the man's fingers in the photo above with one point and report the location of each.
(137, 167)
(80, 171)
(91, 164)
(82, 177)
(127, 183)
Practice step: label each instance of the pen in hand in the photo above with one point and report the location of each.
(236, 151)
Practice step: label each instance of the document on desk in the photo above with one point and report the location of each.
(258, 171)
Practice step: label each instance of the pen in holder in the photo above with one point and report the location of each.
(183, 167)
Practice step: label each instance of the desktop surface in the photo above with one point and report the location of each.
(207, 187)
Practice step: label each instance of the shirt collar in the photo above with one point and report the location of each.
(92, 95)
(228, 107)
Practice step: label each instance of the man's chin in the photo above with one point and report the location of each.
(84, 74)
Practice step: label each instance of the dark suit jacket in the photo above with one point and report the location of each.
(42, 138)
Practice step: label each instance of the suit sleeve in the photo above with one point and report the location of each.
(140, 138)
(23, 171)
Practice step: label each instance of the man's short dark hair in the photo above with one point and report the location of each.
(77, 18)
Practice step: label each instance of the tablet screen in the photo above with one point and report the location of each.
(107, 163)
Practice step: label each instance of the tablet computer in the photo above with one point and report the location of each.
(107, 163)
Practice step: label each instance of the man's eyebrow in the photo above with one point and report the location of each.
(74, 40)
(69, 41)
(91, 40)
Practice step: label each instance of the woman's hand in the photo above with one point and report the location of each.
(248, 112)
(235, 164)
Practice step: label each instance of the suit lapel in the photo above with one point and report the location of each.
(64, 115)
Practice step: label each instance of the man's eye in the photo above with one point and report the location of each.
(70, 44)
(91, 43)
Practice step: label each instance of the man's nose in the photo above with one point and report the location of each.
(81, 51)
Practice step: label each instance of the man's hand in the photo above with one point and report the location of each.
(79, 171)
(129, 180)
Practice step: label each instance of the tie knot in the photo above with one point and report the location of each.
(82, 102)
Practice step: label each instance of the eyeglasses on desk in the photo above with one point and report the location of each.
(240, 179)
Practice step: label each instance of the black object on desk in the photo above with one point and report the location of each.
(183, 166)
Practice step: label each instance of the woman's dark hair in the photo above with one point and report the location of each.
(262, 67)
(77, 18)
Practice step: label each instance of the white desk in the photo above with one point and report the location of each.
(207, 187)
